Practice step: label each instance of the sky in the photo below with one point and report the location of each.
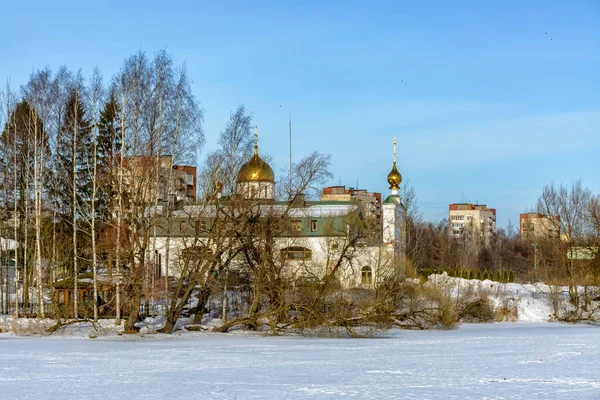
(489, 101)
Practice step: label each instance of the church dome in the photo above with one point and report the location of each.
(255, 170)
(394, 178)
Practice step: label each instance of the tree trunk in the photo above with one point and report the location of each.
(74, 208)
(16, 228)
(38, 184)
(119, 219)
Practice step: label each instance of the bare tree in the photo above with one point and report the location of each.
(571, 205)
(97, 94)
(38, 92)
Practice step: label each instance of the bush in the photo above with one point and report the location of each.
(474, 305)
(423, 307)
(477, 310)
(507, 311)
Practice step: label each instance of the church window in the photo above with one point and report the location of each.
(313, 225)
(366, 276)
(296, 226)
(297, 253)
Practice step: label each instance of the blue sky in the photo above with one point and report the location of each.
(489, 101)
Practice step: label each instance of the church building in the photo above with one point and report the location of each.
(316, 234)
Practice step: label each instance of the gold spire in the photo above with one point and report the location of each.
(256, 169)
(256, 140)
(394, 178)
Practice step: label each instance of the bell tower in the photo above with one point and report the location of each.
(393, 214)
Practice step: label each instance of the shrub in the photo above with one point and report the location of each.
(511, 276)
(507, 311)
(474, 305)
(424, 307)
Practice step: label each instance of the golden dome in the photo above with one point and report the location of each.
(255, 170)
(394, 178)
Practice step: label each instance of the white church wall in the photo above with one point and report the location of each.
(325, 252)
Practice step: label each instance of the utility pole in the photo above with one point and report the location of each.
(535, 260)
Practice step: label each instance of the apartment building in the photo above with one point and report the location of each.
(370, 201)
(534, 226)
(472, 221)
(144, 171)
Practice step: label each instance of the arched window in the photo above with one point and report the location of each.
(296, 253)
(366, 276)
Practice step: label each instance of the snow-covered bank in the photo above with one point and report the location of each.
(500, 361)
(511, 302)
(532, 302)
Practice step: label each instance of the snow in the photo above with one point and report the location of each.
(530, 358)
(494, 361)
(531, 300)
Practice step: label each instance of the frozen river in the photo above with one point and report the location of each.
(497, 361)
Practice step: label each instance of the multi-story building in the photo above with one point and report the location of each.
(145, 171)
(472, 221)
(370, 201)
(534, 226)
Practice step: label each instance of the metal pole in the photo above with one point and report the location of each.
(535, 259)
(290, 147)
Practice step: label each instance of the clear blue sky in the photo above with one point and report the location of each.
(489, 101)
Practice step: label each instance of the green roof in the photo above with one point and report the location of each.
(392, 199)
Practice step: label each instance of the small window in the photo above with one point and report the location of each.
(313, 225)
(296, 226)
(335, 246)
(366, 276)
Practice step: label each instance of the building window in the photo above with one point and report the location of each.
(296, 226)
(335, 246)
(313, 225)
(366, 276)
(296, 253)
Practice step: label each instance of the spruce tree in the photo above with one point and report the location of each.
(74, 122)
(75, 149)
(18, 136)
(109, 149)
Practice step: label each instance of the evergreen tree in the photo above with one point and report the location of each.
(23, 133)
(75, 124)
(108, 151)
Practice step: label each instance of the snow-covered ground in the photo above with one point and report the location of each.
(530, 358)
(493, 361)
(531, 302)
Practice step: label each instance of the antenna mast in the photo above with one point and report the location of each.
(290, 147)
